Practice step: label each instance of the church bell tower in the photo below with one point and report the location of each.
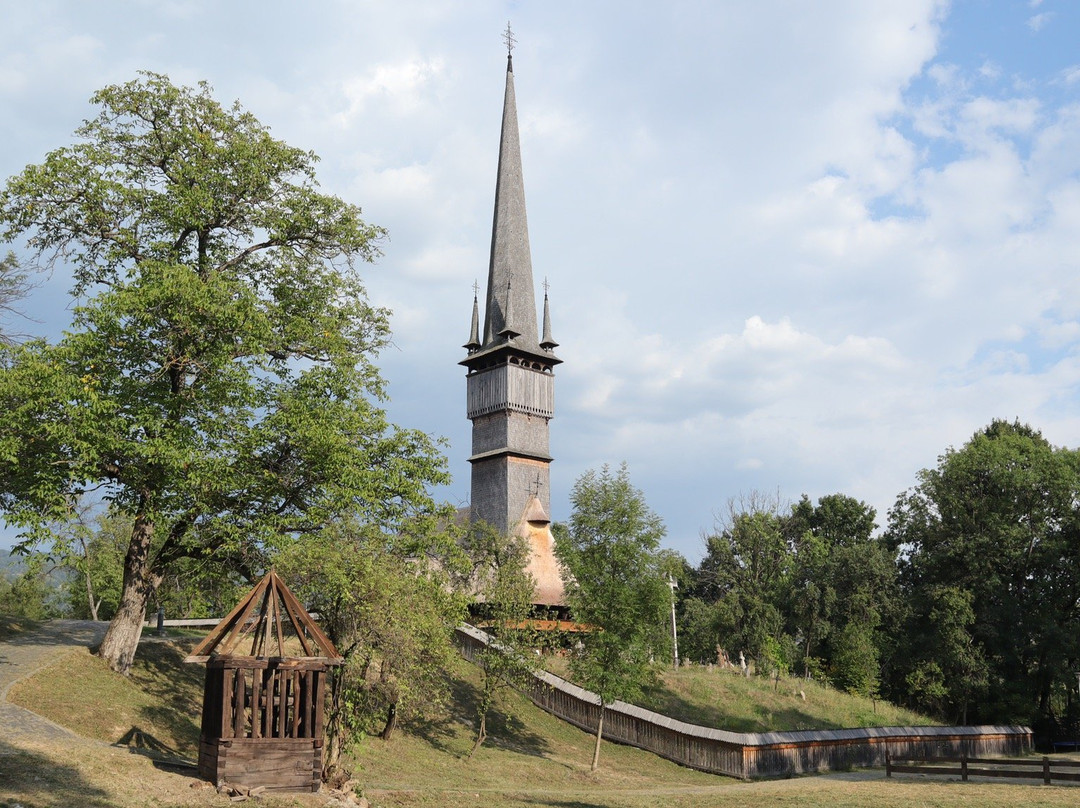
(510, 383)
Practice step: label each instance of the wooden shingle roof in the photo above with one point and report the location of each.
(269, 623)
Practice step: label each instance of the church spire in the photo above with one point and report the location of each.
(474, 331)
(510, 254)
(546, 342)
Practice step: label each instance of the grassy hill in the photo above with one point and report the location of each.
(727, 700)
(531, 758)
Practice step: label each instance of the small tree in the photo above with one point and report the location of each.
(390, 614)
(616, 586)
(505, 588)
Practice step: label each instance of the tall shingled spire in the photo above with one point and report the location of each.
(510, 259)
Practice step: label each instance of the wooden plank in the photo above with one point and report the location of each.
(294, 679)
(230, 621)
(225, 729)
(325, 646)
(239, 706)
(279, 717)
(303, 705)
(320, 700)
(297, 621)
(277, 621)
(265, 617)
(267, 702)
(229, 644)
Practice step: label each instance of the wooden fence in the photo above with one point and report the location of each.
(1043, 769)
(767, 754)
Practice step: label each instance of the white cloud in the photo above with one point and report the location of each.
(403, 87)
(1039, 21)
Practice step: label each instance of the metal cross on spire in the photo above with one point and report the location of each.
(534, 489)
(508, 38)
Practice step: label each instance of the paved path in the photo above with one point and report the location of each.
(27, 653)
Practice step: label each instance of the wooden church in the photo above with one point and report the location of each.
(510, 380)
(266, 669)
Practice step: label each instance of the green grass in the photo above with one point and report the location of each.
(725, 699)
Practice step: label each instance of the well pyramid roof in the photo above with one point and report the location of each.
(269, 623)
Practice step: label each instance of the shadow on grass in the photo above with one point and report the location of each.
(564, 803)
(138, 740)
(29, 778)
(177, 690)
(504, 730)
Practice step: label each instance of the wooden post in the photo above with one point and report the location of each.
(888, 763)
(963, 766)
(1046, 771)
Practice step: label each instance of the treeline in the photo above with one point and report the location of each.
(966, 605)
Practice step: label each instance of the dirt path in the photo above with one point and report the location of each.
(24, 655)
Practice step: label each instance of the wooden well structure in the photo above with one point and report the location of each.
(266, 669)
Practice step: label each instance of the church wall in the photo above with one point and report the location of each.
(501, 487)
(514, 431)
(511, 386)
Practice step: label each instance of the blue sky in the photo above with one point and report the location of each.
(792, 247)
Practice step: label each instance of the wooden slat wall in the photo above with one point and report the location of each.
(756, 755)
(263, 723)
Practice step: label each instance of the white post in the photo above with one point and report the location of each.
(674, 630)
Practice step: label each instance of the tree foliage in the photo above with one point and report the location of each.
(218, 385)
(617, 586)
(391, 614)
(991, 573)
(14, 285)
(804, 588)
(505, 588)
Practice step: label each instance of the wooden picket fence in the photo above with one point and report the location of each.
(747, 754)
(964, 767)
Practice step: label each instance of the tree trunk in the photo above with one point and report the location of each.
(90, 598)
(481, 736)
(140, 582)
(334, 742)
(391, 722)
(599, 735)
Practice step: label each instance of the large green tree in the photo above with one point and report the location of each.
(990, 541)
(617, 586)
(744, 574)
(841, 590)
(217, 385)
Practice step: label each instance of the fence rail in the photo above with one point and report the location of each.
(1028, 769)
(747, 755)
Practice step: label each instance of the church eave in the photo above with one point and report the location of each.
(485, 355)
(510, 453)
